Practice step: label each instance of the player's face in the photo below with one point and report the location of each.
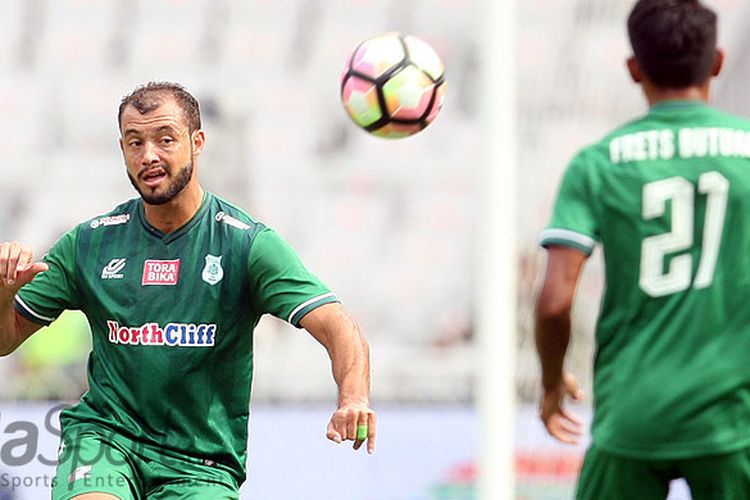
(159, 151)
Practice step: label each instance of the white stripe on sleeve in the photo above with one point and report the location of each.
(307, 303)
(31, 311)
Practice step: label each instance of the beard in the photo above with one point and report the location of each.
(179, 181)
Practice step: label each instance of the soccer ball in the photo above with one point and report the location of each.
(393, 85)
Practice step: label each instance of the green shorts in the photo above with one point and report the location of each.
(718, 477)
(98, 462)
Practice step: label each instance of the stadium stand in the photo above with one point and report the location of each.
(391, 225)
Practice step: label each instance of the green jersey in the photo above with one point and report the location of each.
(668, 198)
(172, 318)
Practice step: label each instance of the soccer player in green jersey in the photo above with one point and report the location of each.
(667, 195)
(173, 284)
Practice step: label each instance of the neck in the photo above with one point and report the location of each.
(178, 211)
(656, 95)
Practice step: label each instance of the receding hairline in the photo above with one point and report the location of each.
(149, 97)
(153, 106)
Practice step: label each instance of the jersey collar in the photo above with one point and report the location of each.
(168, 238)
(678, 104)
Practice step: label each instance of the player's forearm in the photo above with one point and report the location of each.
(350, 359)
(552, 339)
(338, 332)
(350, 362)
(553, 311)
(353, 420)
(8, 325)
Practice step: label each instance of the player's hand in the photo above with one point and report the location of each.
(17, 267)
(562, 425)
(349, 420)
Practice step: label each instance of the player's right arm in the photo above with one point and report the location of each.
(16, 270)
(553, 308)
(569, 238)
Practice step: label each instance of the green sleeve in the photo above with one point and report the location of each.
(574, 222)
(280, 283)
(53, 291)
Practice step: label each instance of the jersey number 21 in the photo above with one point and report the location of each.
(657, 281)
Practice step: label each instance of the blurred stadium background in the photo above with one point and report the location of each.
(389, 225)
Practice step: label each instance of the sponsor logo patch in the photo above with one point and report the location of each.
(110, 221)
(161, 272)
(213, 272)
(170, 335)
(231, 221)
(112, 270)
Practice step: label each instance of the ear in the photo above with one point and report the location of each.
(634, 70)
(718, 62)
(199, 141)
(122, 146)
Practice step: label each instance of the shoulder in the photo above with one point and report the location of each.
(603, 152)
(260, 241)
(730, 120)
(97, 225)
(121, 215)
(233, 218)
(603, 145)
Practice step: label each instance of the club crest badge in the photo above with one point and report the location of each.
(213, 272)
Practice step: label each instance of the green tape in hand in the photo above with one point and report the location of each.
(362, 432)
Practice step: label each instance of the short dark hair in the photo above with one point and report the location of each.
(674, 41)
(150, 96)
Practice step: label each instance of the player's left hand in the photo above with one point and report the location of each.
(348, 423)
